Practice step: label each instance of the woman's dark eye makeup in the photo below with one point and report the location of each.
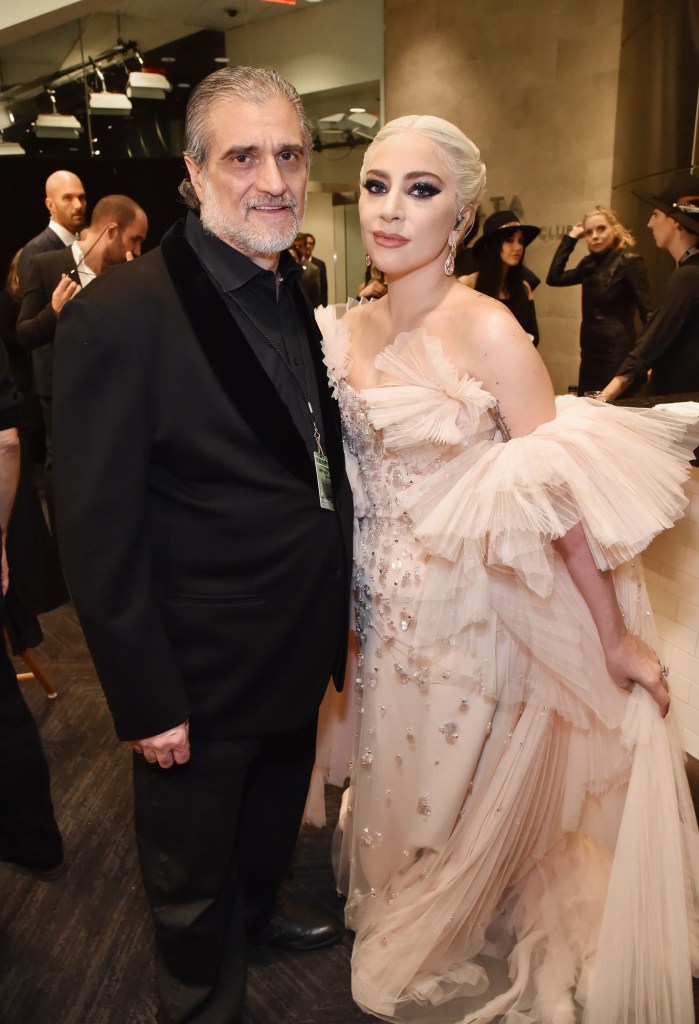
(423, 189)
(420, 189)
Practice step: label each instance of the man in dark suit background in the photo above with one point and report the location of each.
(308, 253)
(51, 279)
(205, 527)
(67, 203)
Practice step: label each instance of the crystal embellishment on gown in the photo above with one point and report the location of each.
(528, 808)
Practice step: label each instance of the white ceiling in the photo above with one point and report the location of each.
(60, 38)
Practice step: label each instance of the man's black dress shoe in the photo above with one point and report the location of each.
(295, 926)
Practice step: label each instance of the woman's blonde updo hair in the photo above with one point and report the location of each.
(624, 238)
(461, 156)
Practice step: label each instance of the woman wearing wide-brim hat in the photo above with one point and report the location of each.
(614, 288)
(499, 254)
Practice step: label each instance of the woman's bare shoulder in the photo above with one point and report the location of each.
(366, 318)
(469, 318)
(482, 338)
(361, 313)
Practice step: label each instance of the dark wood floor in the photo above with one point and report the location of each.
(77, 950)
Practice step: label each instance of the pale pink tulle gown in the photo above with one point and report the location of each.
(507, 800)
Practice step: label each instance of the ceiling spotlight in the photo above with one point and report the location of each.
(147, 85)
(331, 121)
(10, 148)
(55, 125)
(114, 104)
(6, 117)
(109, 104)
(348, 129)
(364, 125)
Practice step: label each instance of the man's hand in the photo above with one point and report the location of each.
(167, 748)
(65, 290)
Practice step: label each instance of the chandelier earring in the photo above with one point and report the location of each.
(449, 261)
(367, 259)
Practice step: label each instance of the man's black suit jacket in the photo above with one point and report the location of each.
(36, 320)
(209, 582)
(46, 241)
(323, 280)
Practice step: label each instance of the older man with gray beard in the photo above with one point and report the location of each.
(205, 526)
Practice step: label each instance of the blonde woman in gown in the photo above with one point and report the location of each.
(519, 844)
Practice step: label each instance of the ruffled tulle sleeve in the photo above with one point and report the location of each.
(617, 471)
(422, 399)
(335, 342)
(336, 345)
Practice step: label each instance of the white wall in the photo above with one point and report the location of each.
(334, 44)
(534, 84)
(338, 43)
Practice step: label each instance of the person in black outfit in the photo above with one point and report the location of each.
(499, 255)
(31, 424)
(29, 835)
(67, 204)
(669, 344)
(205, 525)
(614, 287)
(309, 276)
(309, 246)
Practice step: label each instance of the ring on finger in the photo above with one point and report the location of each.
(665, 671)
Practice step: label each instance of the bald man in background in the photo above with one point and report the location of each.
(67, 204)
(116, 233)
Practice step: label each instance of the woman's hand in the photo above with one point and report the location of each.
(616, 387)
(577, 230)
(630, 661)
(373, 290)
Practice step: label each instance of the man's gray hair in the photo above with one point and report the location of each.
(250, 85)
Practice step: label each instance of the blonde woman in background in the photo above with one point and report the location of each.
(614, 288)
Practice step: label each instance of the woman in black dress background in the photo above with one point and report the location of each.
(500, 273)
(614, 287)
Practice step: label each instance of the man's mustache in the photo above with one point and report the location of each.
(273, 202)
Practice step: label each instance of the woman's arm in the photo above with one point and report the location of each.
(638, 281)
(629, 659)
(617, 386)
(512, 371)
(558, 276)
